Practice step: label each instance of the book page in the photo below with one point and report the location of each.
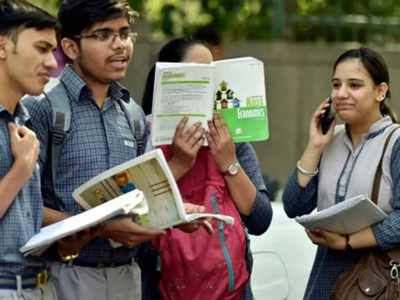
(239, 96)
(180, 89)
(150, 174)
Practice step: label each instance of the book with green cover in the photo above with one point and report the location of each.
(235, 88)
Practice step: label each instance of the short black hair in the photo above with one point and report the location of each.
(16, 14)
(208, 34)
(76, 16)
(175, 50)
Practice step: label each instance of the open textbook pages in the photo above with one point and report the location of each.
(150, 174)
(125, 204)
(234, 87)
(346, 217)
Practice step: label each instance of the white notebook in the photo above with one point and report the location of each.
(346, 217)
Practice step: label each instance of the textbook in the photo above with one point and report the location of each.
(142, 188)
(126, 204)
(150, 174)
(349, 216)
(235, 88)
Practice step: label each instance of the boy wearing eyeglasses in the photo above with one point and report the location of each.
(97, 38)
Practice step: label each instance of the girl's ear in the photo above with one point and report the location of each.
(382, 90)
(71, 48)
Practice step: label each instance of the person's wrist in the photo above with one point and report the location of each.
(102, 231)
(179, 167)
(23, 168)
(314, 150)
(231, 169)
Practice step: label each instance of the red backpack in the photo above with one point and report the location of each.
(199, 265)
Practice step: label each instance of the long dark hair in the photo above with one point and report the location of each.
(375, 65)
(173, 51)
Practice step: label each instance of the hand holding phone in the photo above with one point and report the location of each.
(327, 117)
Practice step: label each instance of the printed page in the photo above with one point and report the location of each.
(180, 89)
(150, 174)
(123, 205)
(239, 96)
(346, 217)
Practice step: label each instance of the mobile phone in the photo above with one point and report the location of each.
(327, 118)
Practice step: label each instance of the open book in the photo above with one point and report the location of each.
(150, 174)
(234, 87)
(126, 204)
(346, 217)
(143, 188)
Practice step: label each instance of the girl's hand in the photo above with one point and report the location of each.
(327, 239)
(185, 146)
(316, 138)
(221, 143)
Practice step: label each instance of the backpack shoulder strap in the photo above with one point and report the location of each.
(61, 108)
(378, 173)
(136, 121)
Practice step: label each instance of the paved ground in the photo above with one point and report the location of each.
(282, 259)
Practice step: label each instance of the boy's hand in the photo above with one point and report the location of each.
(128, 233)
(195, 225)
(25, 148)
(71, 245)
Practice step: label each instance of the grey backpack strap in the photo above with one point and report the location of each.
(61, 108)
(136, 121)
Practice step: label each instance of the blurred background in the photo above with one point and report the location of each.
(298, 40)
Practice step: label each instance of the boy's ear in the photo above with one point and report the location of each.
(71, 48)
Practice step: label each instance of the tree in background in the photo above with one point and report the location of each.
(49, 5)
(236, 19)
(376, 21)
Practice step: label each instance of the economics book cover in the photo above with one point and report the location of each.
(240, 98)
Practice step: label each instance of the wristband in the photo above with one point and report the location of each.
(305, 172)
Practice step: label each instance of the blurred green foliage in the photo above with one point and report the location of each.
(376, 21)
(299, 20)
(249, 19)
(373, 21)
(49, 5)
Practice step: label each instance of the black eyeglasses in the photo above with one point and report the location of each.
(109, 35)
